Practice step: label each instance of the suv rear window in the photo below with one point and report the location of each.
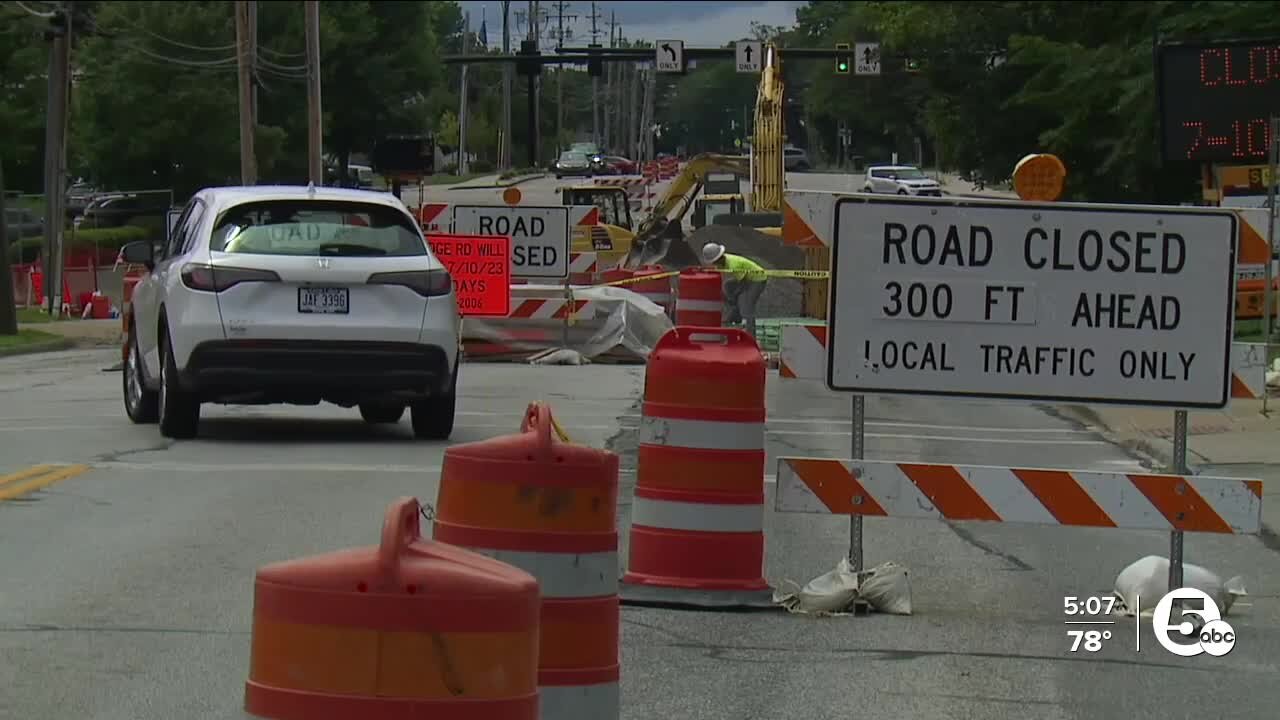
(316, 228)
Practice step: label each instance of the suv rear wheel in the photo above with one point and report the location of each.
(433, 417)
(179, 410)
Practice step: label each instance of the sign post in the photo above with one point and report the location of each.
(1267, 295)
(1061, 302)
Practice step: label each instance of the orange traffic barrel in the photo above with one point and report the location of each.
(699, 298)
(658, 290)
(548, 507)
(614, 275)
(410, 628)
(697, 518)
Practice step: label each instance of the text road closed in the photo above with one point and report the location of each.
(539, 235)
(1094, 303)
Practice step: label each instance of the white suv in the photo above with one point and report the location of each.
(292, 295)
(900, 180)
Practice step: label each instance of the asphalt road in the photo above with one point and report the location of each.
(126, 588)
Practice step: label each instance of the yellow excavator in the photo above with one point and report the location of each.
(660, 237)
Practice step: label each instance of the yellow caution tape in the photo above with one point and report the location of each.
(793, 274)
(564, 436)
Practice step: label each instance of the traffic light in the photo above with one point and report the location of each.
(595, 66)
(842, 58)
(528, 60)
(912, 65)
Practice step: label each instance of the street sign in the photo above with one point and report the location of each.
(750, 55)
(481, 272)
(539, 235)
(866, 58)
(1069, 302)
(669, 56)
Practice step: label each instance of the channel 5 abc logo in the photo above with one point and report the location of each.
(1215, 636)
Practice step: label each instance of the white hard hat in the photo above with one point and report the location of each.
(711, 252)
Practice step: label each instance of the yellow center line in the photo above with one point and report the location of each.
(27, 481)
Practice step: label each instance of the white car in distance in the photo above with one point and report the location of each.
(900, 180)
(296, 295)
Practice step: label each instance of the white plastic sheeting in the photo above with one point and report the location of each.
(885, 587)
(624, 324)
(1148, 579)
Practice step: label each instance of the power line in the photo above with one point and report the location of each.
(186, 46)
(34, 13)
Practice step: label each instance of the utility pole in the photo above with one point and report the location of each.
(611, 71)
(55, 152)
(248, 161)
(595, 81)
(8, 311)
(633, 127)
(560, 36)
(462, 99)
(253, 62)
(504, 146)
(535, 32)
(315, 132)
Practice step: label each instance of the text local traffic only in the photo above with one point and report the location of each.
(1016, 300)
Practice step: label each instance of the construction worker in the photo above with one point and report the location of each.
(743, 286)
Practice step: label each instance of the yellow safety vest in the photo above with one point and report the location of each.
(744, 269)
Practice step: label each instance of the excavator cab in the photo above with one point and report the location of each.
(611, 238)
(707, 207)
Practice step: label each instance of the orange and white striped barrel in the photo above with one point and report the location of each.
(550, 508)
(699, 298)
(658, 290)
(697, 518)
(582, 267)
(411, 628)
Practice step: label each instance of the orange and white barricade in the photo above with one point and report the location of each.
(410, 628)
(1031, 496)
(583, 268)
(700, 298)
(548, 507)
(803, 356)
(697, 518)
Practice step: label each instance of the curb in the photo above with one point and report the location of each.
(40, 347)
(511, 183)
(1153, 452)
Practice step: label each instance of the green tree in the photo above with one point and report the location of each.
(24, 57)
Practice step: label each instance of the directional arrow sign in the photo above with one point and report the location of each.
(669, 56)
(750, 55)
(866, 58)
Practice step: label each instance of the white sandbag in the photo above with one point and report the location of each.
(887, 588)
(1148, 580)
(559, 356)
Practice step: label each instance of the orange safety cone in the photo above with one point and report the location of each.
(410, 628)
(697, 518)
(548, 507)
(700, 298)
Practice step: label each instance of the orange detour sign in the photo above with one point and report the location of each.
(699, 298)
(411, 628)
(548, 507)
(512, 196)
(1039, 177)
(697, 519)
(481, 270)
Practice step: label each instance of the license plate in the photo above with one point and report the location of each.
(323, 300)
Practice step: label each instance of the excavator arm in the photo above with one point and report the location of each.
(663, 225)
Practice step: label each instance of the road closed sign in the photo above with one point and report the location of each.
(1105, 304)
(481, 272)
(539, 235)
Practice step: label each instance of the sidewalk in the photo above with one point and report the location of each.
(82, 332)
(489, 182)
(1238, 441)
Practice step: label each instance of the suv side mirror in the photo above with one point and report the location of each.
(139, 253)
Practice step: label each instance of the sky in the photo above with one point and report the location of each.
(698, 24)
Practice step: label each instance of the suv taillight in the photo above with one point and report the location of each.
(427, 283)
(215, 278)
